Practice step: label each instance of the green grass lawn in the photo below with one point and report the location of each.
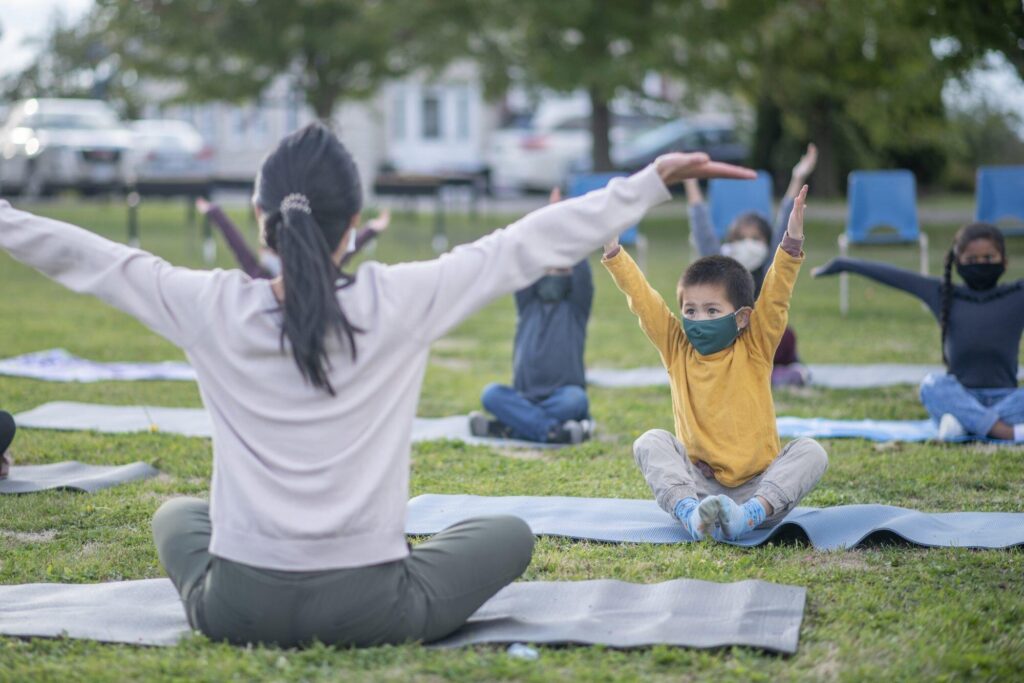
(898, 613)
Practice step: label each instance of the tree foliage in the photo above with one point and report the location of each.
(604, 48)
(234, 49)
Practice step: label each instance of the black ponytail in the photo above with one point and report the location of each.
(963, 237)
(308, 189)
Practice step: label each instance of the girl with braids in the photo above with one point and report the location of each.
(311, 380)
(981, 323)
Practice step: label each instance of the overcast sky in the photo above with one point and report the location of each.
(24, 19)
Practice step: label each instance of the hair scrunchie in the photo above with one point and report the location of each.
(296, 201)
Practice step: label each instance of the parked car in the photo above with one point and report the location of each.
(715, 135)
(536, 152)
(52, 144)
(169, 157)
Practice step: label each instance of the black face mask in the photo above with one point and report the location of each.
(552, 288)
(981, 276)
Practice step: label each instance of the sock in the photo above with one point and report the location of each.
(1018, 432)
(739, 520)
(686, 512)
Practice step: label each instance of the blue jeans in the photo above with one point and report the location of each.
(977, 409)
(533, 420)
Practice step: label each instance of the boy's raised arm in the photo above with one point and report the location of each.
(656, 319)
(771, 313)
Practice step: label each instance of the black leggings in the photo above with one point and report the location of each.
(6, 437)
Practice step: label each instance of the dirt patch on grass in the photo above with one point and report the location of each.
(30, 536)
(456, 344)
(448, 363)
(827, 666)
(524, 453)
(845, 560)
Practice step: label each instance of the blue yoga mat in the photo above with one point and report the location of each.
(614, 520)
(874, 430)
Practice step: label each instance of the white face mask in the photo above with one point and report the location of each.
(750, 253)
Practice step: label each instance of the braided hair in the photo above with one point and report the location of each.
(963, 237)
(308, 190)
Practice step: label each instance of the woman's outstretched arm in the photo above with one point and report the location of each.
(437, 295)
(162, 297)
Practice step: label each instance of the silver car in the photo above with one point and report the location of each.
(48, 145)
(170, 158)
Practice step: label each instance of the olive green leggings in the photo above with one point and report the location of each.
(422, 597)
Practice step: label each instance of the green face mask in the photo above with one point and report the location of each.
(711, 336)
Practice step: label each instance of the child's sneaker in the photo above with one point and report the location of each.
(588, 426)
(481, 425)
(569, 431)
(950, 428)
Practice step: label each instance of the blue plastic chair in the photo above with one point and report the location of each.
(886, 201)
(1000, 195)
(728, 199)
(581, 183)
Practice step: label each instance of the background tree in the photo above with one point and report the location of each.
(603, 48)
(76, 60)
(234, 49)
(862, 79)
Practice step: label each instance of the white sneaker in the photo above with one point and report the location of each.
(588, 429)
(950, 428)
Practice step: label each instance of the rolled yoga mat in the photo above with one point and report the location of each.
(615, 520)
(73, 476)
(57, 365)
(830, 376)
(683, 612)
(66, 415)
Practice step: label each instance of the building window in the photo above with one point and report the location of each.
(431, 118)
(462, 124)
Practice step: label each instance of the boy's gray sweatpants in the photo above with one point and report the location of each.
(672, 476)
(422, 597)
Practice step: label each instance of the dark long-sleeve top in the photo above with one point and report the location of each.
(708, 243)
(985, 327)
(247, 259)
(550, 337)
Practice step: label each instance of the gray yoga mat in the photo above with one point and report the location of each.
(73, 475)
(67, 415)
(831, 376)
(682, 612)
(642, 521)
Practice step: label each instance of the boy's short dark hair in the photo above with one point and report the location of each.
(721, 270)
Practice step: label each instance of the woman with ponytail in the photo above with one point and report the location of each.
(311, 380)
(981, 322)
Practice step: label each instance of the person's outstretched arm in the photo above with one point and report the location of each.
(434, 296)
(771, 312)
(801, 172)
(656, 319)
(164, 298)
(924, 287)
(233, 236)
(704, 236)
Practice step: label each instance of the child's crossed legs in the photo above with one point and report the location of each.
(674, 478)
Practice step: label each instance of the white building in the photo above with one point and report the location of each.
(420, 124)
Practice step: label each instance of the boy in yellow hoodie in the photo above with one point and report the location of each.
(726, 473)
